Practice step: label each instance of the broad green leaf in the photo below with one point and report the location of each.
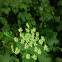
(4, 58)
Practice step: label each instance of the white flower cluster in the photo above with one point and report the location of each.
(30, 39)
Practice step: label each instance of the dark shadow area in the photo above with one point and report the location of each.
(54, 3)
(12, 18)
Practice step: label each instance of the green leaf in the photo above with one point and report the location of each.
(15, 10)
(4, 58)
(58, 59)
(23, 6)
(44, 58)
(57, 19)
(12, 59)
(60, 2)
(52, 38)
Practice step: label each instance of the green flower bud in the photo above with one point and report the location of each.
(21, 35)
(16, 39)
(43, 39)
(31, 30)
(17, 51)
(30, 44)
(27, 56)
(34, 57)
(35, 44)
(39, 51)
(34, 29)
(27, 40)
(20, 29)
(32, 35)
(27, 25)
(46, 48)
(12, 48)
(35, 49)
(27, 36)
(37, 33)
(27, 30)
(22, 41)
(26, 46)
(36, 38)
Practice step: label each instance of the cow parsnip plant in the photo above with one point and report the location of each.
(45, 15)
(29, 44)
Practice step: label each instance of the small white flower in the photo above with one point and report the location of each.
(26, 46)
(17, 50)
(35, 44)
(37, 33)
(35, 49)
(31, 30)
(20, 29)
(39, 51)
(27, 56)
(34, 29)
(30, 44)
(27, 30)
(46, 48)
(27, 25)
(16, 39)
(34, 57)
(21, 35)
(43, 39)
(36, 38)
(22, 41)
